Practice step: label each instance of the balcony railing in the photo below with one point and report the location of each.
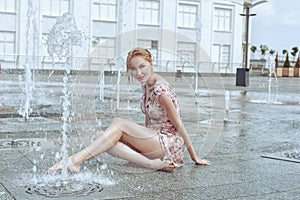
(109, 64)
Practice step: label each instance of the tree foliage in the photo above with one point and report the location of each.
(287, 61)
(294, 52)
(253, 49)
(263, 49)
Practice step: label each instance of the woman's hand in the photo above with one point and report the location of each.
(199, 161)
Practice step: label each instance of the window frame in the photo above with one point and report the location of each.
(5, 6)
(6, 43)
(191, 25)
(191, 53)
(96, 10)
(50, 4)
(141, 12)
(219, 21)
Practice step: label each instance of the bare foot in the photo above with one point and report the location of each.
(70, 166)
(202, 162)
(160, 165)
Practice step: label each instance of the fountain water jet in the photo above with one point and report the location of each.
(272, 95)
(61, 39)
(101, 85)
(198, 27)
(272, 75)
(227, 103)
(31, 37)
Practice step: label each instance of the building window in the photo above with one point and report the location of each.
(222, 19)
(148, 12)
(44, 43)
(151, 45)
(221, 56)
(105, 10)
(7, 43)
(187, 14)
(107, 47)
(186, 51)
(8, 5)
(144, 43)
(55, 7)
(225, 54)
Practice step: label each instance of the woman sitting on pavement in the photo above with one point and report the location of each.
(158, 145)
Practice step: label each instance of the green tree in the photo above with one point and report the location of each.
(284, 51)
(253, 49)
(297, 65)
(263, 49)
(294, 52)
(287, 61)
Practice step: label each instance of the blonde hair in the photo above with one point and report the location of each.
(138, 51)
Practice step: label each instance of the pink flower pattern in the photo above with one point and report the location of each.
(171, 140)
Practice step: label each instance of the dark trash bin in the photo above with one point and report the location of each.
(242, 77)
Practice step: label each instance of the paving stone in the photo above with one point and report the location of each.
(254, 128)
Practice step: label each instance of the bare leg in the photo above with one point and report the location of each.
(123, 151)
(144, 140)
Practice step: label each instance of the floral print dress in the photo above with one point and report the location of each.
(157, 119)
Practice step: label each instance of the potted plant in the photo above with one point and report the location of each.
(287, 60)
(286, 64)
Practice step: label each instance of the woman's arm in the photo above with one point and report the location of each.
(146, 120)
(174, 117)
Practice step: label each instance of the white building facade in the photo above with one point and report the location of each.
(189, 35)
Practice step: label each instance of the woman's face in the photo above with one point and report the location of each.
(140, 69)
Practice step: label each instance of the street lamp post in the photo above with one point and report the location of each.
(247, 15)
(242, 76)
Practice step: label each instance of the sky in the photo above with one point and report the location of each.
(276, 24)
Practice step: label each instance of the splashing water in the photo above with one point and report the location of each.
(101, 85)
(119, 62)
(61, 39)
(227, 103)
(198, 29)
(31, 38)
(227, 100)
(77, 185)
(125, 8)
(272, 76)
(198, 32)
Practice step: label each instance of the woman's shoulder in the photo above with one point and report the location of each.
(161, 86)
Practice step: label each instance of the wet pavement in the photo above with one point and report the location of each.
(253, 146)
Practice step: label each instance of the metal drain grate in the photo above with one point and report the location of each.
(19, 143)
(285, 156)
(65, 189)
(293, 155)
